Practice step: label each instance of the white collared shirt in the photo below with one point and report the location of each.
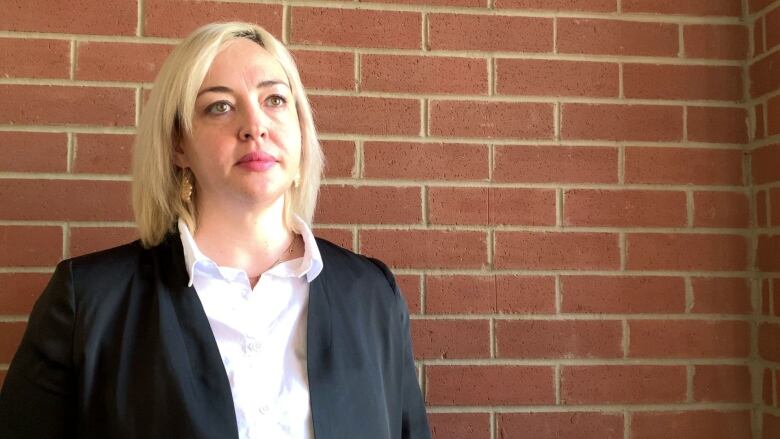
(261, 335)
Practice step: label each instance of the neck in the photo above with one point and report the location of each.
(251, 240)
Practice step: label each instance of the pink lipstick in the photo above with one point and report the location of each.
(257, 161)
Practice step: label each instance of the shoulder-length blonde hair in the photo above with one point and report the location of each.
(167, 116)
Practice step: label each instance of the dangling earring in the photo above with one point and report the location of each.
(297, 181)
(186, 186)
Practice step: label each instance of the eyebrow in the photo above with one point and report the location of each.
(223, 89)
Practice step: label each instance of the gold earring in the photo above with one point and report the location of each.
(186, 186)
(297, 181)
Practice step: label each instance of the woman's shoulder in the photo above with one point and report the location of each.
(344, 263)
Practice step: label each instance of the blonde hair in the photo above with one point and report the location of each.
(167, 116)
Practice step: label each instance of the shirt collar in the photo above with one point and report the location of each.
(310, 265)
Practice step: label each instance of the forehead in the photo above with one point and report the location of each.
(243, 59)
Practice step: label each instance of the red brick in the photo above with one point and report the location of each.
(19, 291)
(615, 37)
(721, 295)
(758, 36)
(326, 70)
(489, 33)
(29, 246)
(364, 115)
(771, 426)
(756, 5)
(683, 166)
(491, 206)
(33, 152)
(769, 341)
(768, 253)
(103, 153)
(85, 240)
(773, 115)
(489, 385)
(556, 251)
(722, 383)
(425, 161)
(718, 125)
(463, 3)
(689, 82)
(555, 164)
(525, 294)
(423, 74)
(622, 384)
(763, 161)
(459, 425)
(772, 26)
(622, 122)
(766, 387)
(356, 28)
(689, 339)
(716, 41)
(191, 14)
(624, 208)
(559, 339)
(556, 425)
(539, 77)
(65, 200)
(491, 119)
(761, 209)
(48, 104)
(339, 204)
(10, 336)
(409, 284)
(675, 251)
(426, 248)
(339, 158)
(106, 17)
(721, 209)
(341, 237)
(560, 5)
(460, 294)
(29, 58)
(622, 294)
(449, 339)
(774, 202)
(689, 7)
(765, 75)
(705, 424)
(120, 61)
(489, 294)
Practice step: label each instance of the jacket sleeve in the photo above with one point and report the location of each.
(414, 419)
(38, 396)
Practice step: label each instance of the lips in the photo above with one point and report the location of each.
(257, 161)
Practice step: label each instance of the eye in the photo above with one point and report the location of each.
(276, 100)
(220, 107)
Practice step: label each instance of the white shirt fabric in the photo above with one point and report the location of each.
(261, 335)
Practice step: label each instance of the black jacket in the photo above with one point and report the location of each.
(118, 346)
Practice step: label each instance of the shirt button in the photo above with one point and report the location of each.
(254, 346)
(263, 410)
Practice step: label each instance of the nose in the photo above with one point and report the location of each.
(254, 125)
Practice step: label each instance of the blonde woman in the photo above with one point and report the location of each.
(227, 318)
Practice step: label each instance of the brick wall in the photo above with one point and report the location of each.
(561, 186)
(764, 104)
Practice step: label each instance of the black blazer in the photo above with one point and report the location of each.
(118, 346)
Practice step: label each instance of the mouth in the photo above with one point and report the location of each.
(257, 161)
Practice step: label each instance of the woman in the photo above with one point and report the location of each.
(228, 318)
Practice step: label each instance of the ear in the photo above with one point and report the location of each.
(179, 157)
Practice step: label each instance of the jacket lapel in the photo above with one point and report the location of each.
(319, 359)
(207, 395)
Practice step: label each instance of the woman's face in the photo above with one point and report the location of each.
(245, 144)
